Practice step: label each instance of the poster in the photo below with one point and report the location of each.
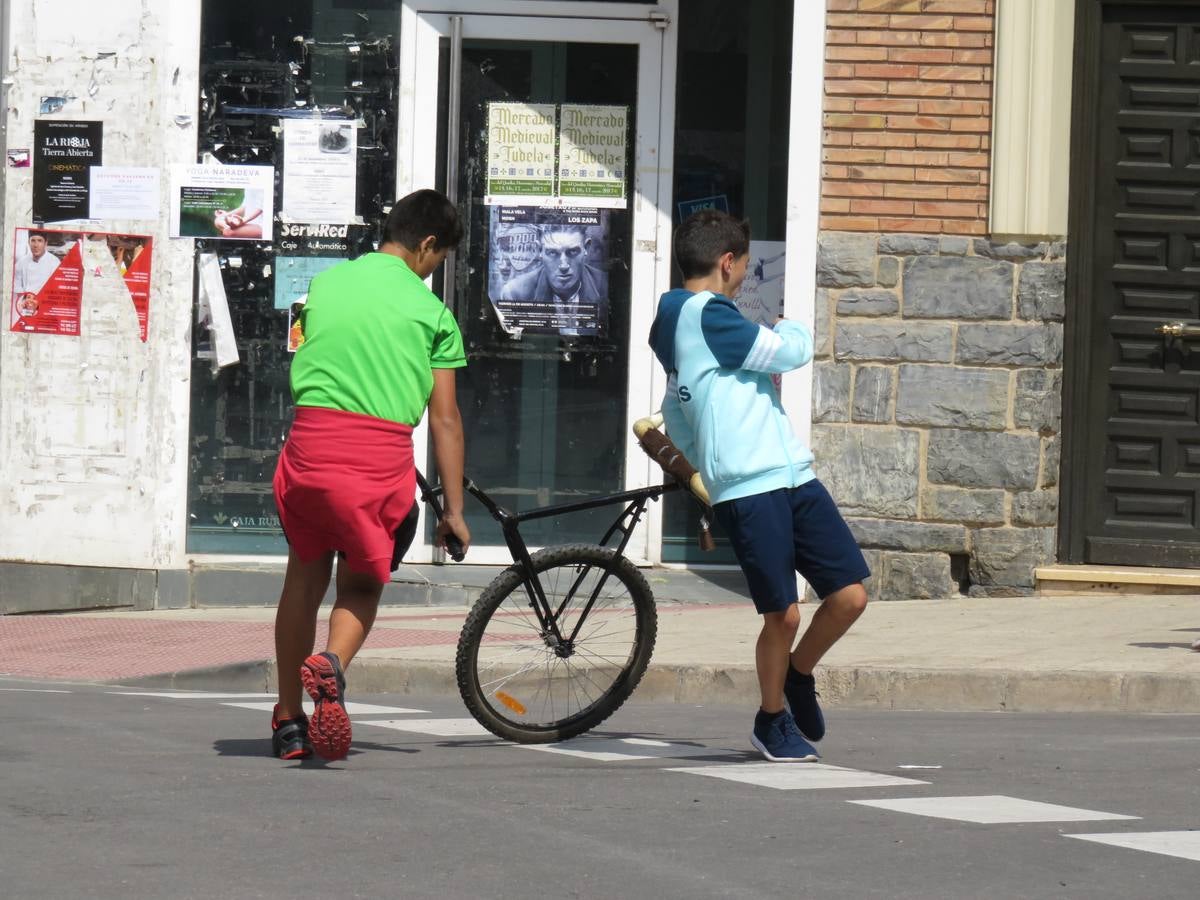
(546, 270)
(47, 285)
(521, 152)
(217, 342)
(320, 170)
(592, 148)
(124, 192)
(306, 250)
(53, 268)
(295, 338)
(132, 254)
(760, 297)
(63, 155)
(231, 202)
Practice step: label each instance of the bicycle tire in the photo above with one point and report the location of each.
(514, 718)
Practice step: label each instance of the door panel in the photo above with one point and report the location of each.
(1144, 394)
(553, 384)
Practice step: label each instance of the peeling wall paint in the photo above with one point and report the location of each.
(94, 429)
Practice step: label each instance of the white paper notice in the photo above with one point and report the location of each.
(761, 296)
(320, 169)
(124, 192)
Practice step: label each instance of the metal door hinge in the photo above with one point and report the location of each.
(646, 246)
(660, 19)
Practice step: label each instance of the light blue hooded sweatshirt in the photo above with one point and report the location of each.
(721, 407)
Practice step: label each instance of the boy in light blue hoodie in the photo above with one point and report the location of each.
(722, 410)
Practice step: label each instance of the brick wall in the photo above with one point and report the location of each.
(908, 101)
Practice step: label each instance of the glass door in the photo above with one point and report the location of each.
(547, 133)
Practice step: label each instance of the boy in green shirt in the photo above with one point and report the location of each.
(379, 347)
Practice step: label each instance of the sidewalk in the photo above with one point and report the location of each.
(1098, 653)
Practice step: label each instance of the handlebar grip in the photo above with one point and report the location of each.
(661, 449)
(455, 548)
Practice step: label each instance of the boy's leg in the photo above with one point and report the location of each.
(828, 557)
(304, 585)
(353, 614)
(832, 619)
(323, 674)
(771, 655)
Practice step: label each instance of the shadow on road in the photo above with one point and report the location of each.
(260, 747)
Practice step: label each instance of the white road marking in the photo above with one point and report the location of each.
(33, 691)
(191, 695)
(355, 709)
(1183, 844)
(798, 776)
(435, 727)
(991, 809)
(606, 749)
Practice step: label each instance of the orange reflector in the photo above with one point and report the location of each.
(511, 702)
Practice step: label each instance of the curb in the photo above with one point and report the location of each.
(845, 687)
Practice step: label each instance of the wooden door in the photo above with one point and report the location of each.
(1137, 432)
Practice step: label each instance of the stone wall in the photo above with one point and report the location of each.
(936, 406)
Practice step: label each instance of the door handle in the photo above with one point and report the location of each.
(1178, 330)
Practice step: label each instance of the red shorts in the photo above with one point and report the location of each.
(344, 482)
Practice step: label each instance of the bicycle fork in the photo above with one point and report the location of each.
(548, 620)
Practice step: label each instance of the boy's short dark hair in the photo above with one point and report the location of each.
(705, 237)
(421, 214)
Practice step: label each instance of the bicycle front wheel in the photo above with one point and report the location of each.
(523, 684)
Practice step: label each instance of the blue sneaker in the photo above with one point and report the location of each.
(801, 693)
(778, 739)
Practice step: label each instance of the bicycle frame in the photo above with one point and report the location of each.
(510, 523)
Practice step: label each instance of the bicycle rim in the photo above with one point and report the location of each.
(520, 683)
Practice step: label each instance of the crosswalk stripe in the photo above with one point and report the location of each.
(798, 776)
(607, 749)
(192, 695)
(1183, 844)
(434, 727)
(353, 708)
(991, 809)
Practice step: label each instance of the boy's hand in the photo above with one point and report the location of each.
(451, 529)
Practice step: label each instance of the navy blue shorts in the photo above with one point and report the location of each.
(790, 530)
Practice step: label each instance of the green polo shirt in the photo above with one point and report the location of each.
(373, 334)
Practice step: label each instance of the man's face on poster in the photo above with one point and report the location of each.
(37, 246)
(563, 253)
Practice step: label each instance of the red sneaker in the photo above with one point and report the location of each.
(289, 737)
(329, 727)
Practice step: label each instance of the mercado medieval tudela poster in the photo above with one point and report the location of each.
(53, 269)
(63, 155)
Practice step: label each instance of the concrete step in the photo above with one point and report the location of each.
(1092, 579)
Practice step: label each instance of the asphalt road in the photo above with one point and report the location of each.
(108, 794)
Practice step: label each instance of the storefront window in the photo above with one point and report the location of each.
(260, 63)
(731, 152)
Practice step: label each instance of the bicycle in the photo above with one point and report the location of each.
(562, 637)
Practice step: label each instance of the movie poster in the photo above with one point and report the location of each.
(546, 270)
(63, 156)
